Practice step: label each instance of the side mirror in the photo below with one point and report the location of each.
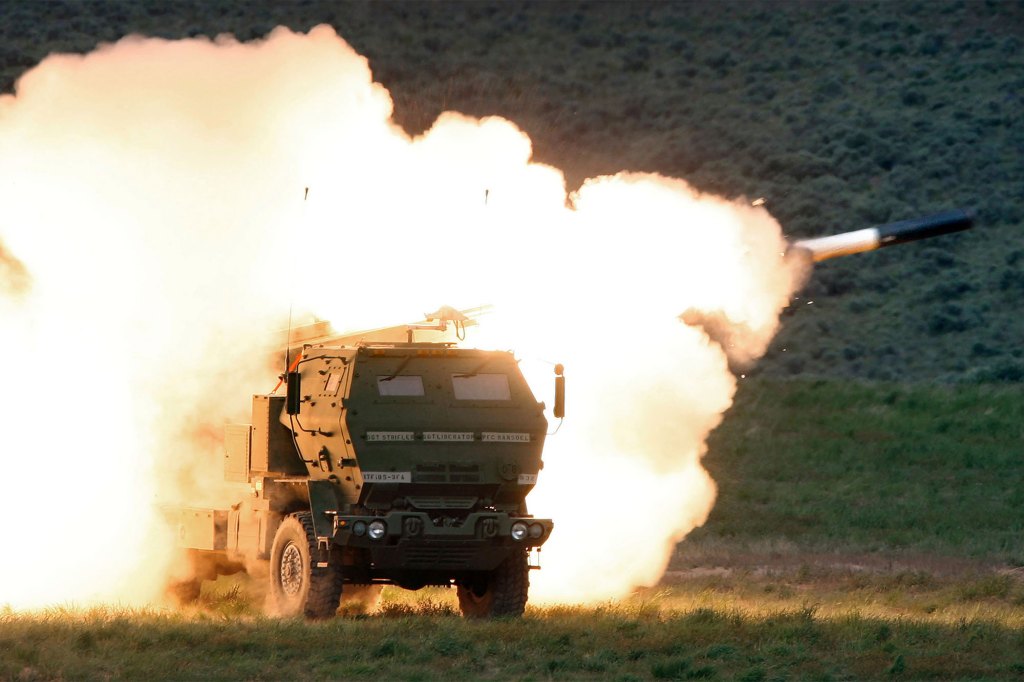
(294, 396)
(559, 409)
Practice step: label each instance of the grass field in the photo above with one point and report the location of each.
(863, 531)
(748, 630)
(671, 635)
(846, 466)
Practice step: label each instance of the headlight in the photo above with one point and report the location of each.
(519, 530)
(377, 529)
(359, 528)
(536, 530)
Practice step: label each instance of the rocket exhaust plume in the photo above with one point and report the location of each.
(153, 209)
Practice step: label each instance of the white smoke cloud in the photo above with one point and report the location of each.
(152, 199)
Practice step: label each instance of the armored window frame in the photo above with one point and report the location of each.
(400, 386)
(482, 387)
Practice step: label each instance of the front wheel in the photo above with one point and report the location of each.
(297, 584)
(502, 592)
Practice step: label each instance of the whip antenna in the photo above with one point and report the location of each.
(291, 300)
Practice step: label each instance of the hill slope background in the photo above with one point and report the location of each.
(840, 115)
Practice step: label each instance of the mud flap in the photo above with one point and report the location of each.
(323, 503)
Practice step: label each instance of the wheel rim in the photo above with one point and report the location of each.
(291, 570)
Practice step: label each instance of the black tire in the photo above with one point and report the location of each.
(503, 592)
(297, 584)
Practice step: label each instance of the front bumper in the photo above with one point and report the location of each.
(413, 540)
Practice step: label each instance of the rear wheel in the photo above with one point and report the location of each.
(502, 592)
(298, 585)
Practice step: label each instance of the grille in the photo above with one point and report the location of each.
(439, 557)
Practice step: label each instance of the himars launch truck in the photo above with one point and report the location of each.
(398, 463)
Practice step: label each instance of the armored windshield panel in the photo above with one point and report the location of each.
(481, 387)
(400, 385)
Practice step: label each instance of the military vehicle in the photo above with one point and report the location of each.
(384, 463)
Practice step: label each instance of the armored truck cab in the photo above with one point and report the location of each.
(405, 464)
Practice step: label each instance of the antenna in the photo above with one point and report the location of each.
(291, 300)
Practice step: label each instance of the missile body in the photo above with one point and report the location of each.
(858, 241)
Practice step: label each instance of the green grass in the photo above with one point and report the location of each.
(839, 466)
(665, 636)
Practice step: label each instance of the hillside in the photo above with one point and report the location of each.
(840, 115)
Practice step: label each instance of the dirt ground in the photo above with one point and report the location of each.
(820, 564)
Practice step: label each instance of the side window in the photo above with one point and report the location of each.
(481, 387)
(403, 385)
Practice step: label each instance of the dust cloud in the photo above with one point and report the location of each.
(154, 230)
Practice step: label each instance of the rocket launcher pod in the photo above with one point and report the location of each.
(858, 241)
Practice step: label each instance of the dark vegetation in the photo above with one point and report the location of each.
(841, 115)
(865, 528)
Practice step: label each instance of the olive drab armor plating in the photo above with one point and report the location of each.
(401, 464)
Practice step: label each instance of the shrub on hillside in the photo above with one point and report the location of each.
(1005, 372)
